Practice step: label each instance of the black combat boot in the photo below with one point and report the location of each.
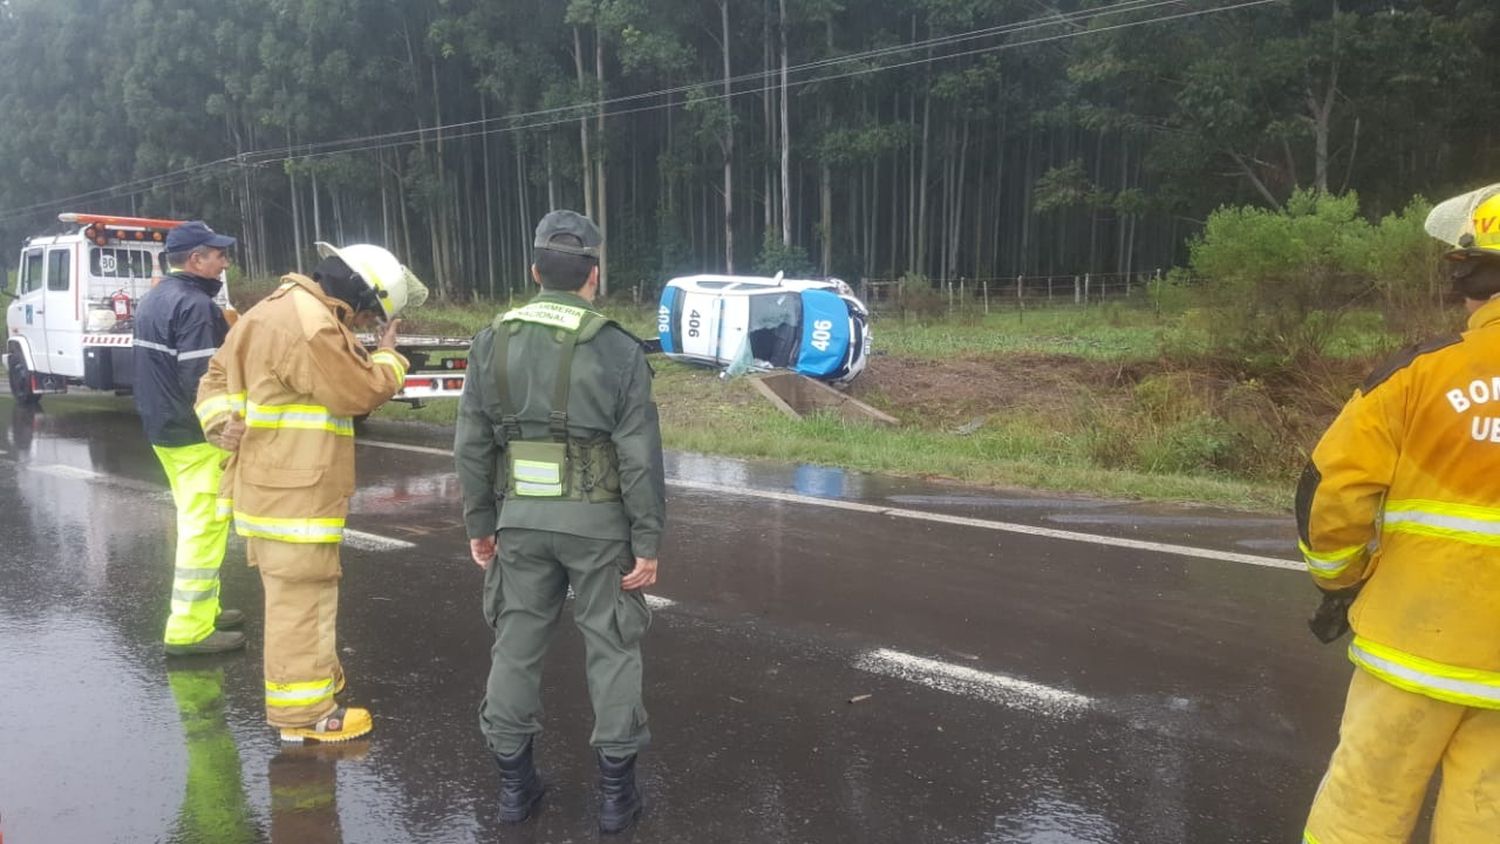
(620, 801)
(521, 787)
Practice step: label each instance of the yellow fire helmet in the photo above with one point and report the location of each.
(396, 287)
(1470, 223)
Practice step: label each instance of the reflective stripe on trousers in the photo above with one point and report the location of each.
(301, 531)
(299, 694)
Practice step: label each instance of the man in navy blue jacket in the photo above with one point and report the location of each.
(178, 327)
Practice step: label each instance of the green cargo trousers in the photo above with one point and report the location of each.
(524, 591)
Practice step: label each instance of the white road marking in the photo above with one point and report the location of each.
(362, 541)
(1007, 527)
(419, 449)
(944, 518)
(971, 682)
(58, 470)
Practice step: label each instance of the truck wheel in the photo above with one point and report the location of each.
(20, 382)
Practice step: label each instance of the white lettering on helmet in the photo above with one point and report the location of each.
(1459, 401)
(1479, 392)
(1481, 430)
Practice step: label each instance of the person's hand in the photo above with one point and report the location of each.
(643, 575)
(483, 550)
(388, 337)
(229, 436)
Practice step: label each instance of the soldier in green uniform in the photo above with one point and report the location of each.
(558, 448)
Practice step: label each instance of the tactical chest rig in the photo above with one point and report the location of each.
(562, 467)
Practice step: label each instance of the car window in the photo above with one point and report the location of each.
(59, 270)
(713, 285)
(31, 271)
(775, 327)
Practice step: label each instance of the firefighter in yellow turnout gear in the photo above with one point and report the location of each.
(294, 372)
(1399, 515)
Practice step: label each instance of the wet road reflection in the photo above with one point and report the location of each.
(1209, 711)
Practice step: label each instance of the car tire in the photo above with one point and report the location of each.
(20, 381)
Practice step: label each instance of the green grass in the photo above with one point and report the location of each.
(1105, 332)
(702, 413)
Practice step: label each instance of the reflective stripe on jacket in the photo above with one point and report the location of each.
(1402, 496)
(297, 375)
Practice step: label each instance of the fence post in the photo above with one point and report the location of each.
(1077, 291)
(1086, 283)
(986, 288)
(1049, 289)
(963, 293)
(949, 285)
(1020, 288)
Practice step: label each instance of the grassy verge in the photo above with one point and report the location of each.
(1105, 400)
(703, 413)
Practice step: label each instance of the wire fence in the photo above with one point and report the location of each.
(998, 294)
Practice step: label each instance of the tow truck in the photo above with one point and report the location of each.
(71, 320)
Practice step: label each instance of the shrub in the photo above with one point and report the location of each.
(1282, 279)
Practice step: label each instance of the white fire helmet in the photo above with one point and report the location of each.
(396, 287)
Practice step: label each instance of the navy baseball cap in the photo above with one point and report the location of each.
(573, 223)
(193, 234)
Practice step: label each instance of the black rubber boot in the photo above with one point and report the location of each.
(620, 801)
(521, 787)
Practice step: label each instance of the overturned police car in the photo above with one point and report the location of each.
(754, 323)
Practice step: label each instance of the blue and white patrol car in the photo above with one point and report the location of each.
(812, 327)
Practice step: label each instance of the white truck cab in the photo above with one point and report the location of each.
(71, 316)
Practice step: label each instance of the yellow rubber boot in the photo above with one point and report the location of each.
(342, 724)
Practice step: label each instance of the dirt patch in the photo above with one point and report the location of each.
(963, 389)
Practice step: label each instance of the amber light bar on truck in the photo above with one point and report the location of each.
(106, 228)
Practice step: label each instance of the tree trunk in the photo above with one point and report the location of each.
(603, 218)
(583, 130)
(728, 144)
(786, 142)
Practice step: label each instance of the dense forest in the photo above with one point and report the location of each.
(859, 138)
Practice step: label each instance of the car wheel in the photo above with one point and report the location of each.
(20, 381)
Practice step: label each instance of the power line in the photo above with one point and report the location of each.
(473, 132)
(472, 129)
(588, 109)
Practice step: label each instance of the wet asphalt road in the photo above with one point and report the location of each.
(1009, 687)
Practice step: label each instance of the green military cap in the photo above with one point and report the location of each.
(573, 223)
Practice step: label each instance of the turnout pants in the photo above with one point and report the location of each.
(1390, 743)
(301, 651)
(193, 472)
(524, 592)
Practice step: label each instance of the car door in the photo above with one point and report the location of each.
(64, 321)
(28, 316)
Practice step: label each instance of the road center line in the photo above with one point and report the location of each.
(941, 518)
(971, 682)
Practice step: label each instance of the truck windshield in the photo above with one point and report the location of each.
(775, 327)
(112, 262)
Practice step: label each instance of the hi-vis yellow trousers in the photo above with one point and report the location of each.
(193, 472)
(1390, 744)
(302, 666)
